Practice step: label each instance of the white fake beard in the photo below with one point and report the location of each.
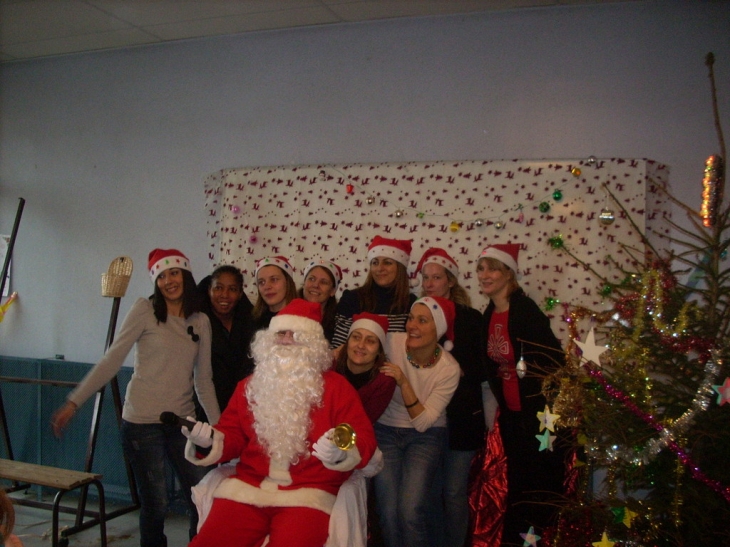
(286, 384)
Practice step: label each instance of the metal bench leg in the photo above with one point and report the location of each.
(102, 512)
(54, 518)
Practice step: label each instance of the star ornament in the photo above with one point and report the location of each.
(530, 538)
(547, 419)
(723, 392)
(605, 542)
(589, 350)
(546, 440)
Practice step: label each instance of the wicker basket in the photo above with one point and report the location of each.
(115, 281)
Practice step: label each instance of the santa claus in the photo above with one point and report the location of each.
(280, 423)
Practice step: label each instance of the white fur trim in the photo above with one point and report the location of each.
(167, 263)
(295, 323)
(504, 258)
(436, 312)
(444, 263)
(370, 325)
(278, 476)
(389, 252)
(237, 490)
(216, 451)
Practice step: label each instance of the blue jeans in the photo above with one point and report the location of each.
(148, 446)
(404, 488)
(457, 464)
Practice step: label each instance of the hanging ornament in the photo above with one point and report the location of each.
(399, 213)
(556, 242)
(420, 214)
(712, 190)
(550, 303)
(235, 209)
(479, 222)
(592, 161)
(499, 225)
(370, 200)
(350, 188)
(606, 217)
(521, 368)
(454, 226)
(606, 290)
(557, 195)
(544, 207)
(575, 171)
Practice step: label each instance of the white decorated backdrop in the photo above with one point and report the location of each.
(334, 211)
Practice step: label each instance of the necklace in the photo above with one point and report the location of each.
(431, 361)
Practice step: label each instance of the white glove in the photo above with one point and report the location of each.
(201, 435)
(326, 450)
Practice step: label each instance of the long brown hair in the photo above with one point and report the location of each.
(191, 298)
(261, 306)
(401, 297)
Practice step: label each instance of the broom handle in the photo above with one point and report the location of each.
(11, 244)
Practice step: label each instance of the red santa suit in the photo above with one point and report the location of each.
(260, 482)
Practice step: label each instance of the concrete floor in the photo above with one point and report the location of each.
(34, 527)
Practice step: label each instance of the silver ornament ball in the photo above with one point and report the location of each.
(606, 217)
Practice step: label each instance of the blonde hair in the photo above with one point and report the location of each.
(457, 293)
(494, 264)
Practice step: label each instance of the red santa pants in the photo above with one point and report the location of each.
(234, 524)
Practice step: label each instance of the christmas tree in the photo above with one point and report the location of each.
(650, 410)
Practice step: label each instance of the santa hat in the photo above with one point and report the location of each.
(397, 249)
(279, 261)
(160, 260)
(377, 324)
(299, 315)
(333, 268)
(506, 253)
(438, 256)
(444, 313)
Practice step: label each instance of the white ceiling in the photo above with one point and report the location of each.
(43, 28)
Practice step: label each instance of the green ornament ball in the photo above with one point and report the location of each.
(544, 207)
(557, 195)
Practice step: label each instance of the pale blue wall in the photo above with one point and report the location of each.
(110, 149)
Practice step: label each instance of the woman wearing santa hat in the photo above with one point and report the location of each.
(386, 290)
(274, 277)
(321, 280)
(520, 349)
(411, 432)
(171, 362)
(361, 360)
(466, 426)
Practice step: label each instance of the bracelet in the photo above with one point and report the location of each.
(414, 403)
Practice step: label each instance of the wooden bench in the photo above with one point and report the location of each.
(62, 480)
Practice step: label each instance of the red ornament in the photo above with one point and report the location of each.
(350, 188)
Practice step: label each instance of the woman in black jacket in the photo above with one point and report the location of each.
(521, 348)
(229, 311)
(440, 277)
